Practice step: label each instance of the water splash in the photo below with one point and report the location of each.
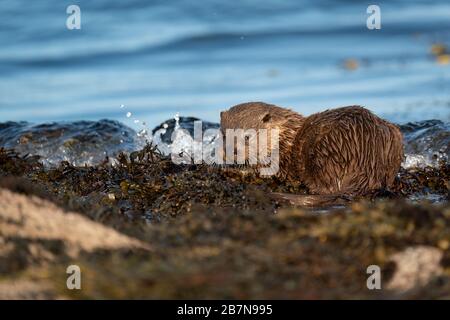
(176, 136)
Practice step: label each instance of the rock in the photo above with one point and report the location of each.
(35, 230)
(25, 290)
(415, 267)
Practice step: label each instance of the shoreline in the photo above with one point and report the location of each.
(213, 233)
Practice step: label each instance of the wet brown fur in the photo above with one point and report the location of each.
(343, 151)
(260, 115)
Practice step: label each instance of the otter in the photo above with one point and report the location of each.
(342, 152)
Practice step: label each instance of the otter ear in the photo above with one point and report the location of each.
(266, 117)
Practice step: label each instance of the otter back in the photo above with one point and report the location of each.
(347, 150)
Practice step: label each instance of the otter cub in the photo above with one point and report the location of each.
(343, 151)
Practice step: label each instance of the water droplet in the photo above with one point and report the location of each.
(136, 121)
(142, 133)
(122, 106)
(128, 114)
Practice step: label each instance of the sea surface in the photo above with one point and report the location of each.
(161, 57)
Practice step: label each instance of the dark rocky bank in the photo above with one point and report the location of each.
(208, 232)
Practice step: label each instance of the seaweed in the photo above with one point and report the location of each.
(216, 234)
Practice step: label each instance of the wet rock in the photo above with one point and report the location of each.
(78, 142)
(426, 143)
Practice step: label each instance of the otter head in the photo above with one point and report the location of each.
(255, 131)
(253, 115)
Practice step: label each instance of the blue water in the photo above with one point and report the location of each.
(200, 57)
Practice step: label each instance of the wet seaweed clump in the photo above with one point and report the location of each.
(424, 181)
(146, 184)
(11, 163)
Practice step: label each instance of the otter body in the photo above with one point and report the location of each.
(344, 151)
(347, 150)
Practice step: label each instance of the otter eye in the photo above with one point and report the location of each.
(266, 118)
